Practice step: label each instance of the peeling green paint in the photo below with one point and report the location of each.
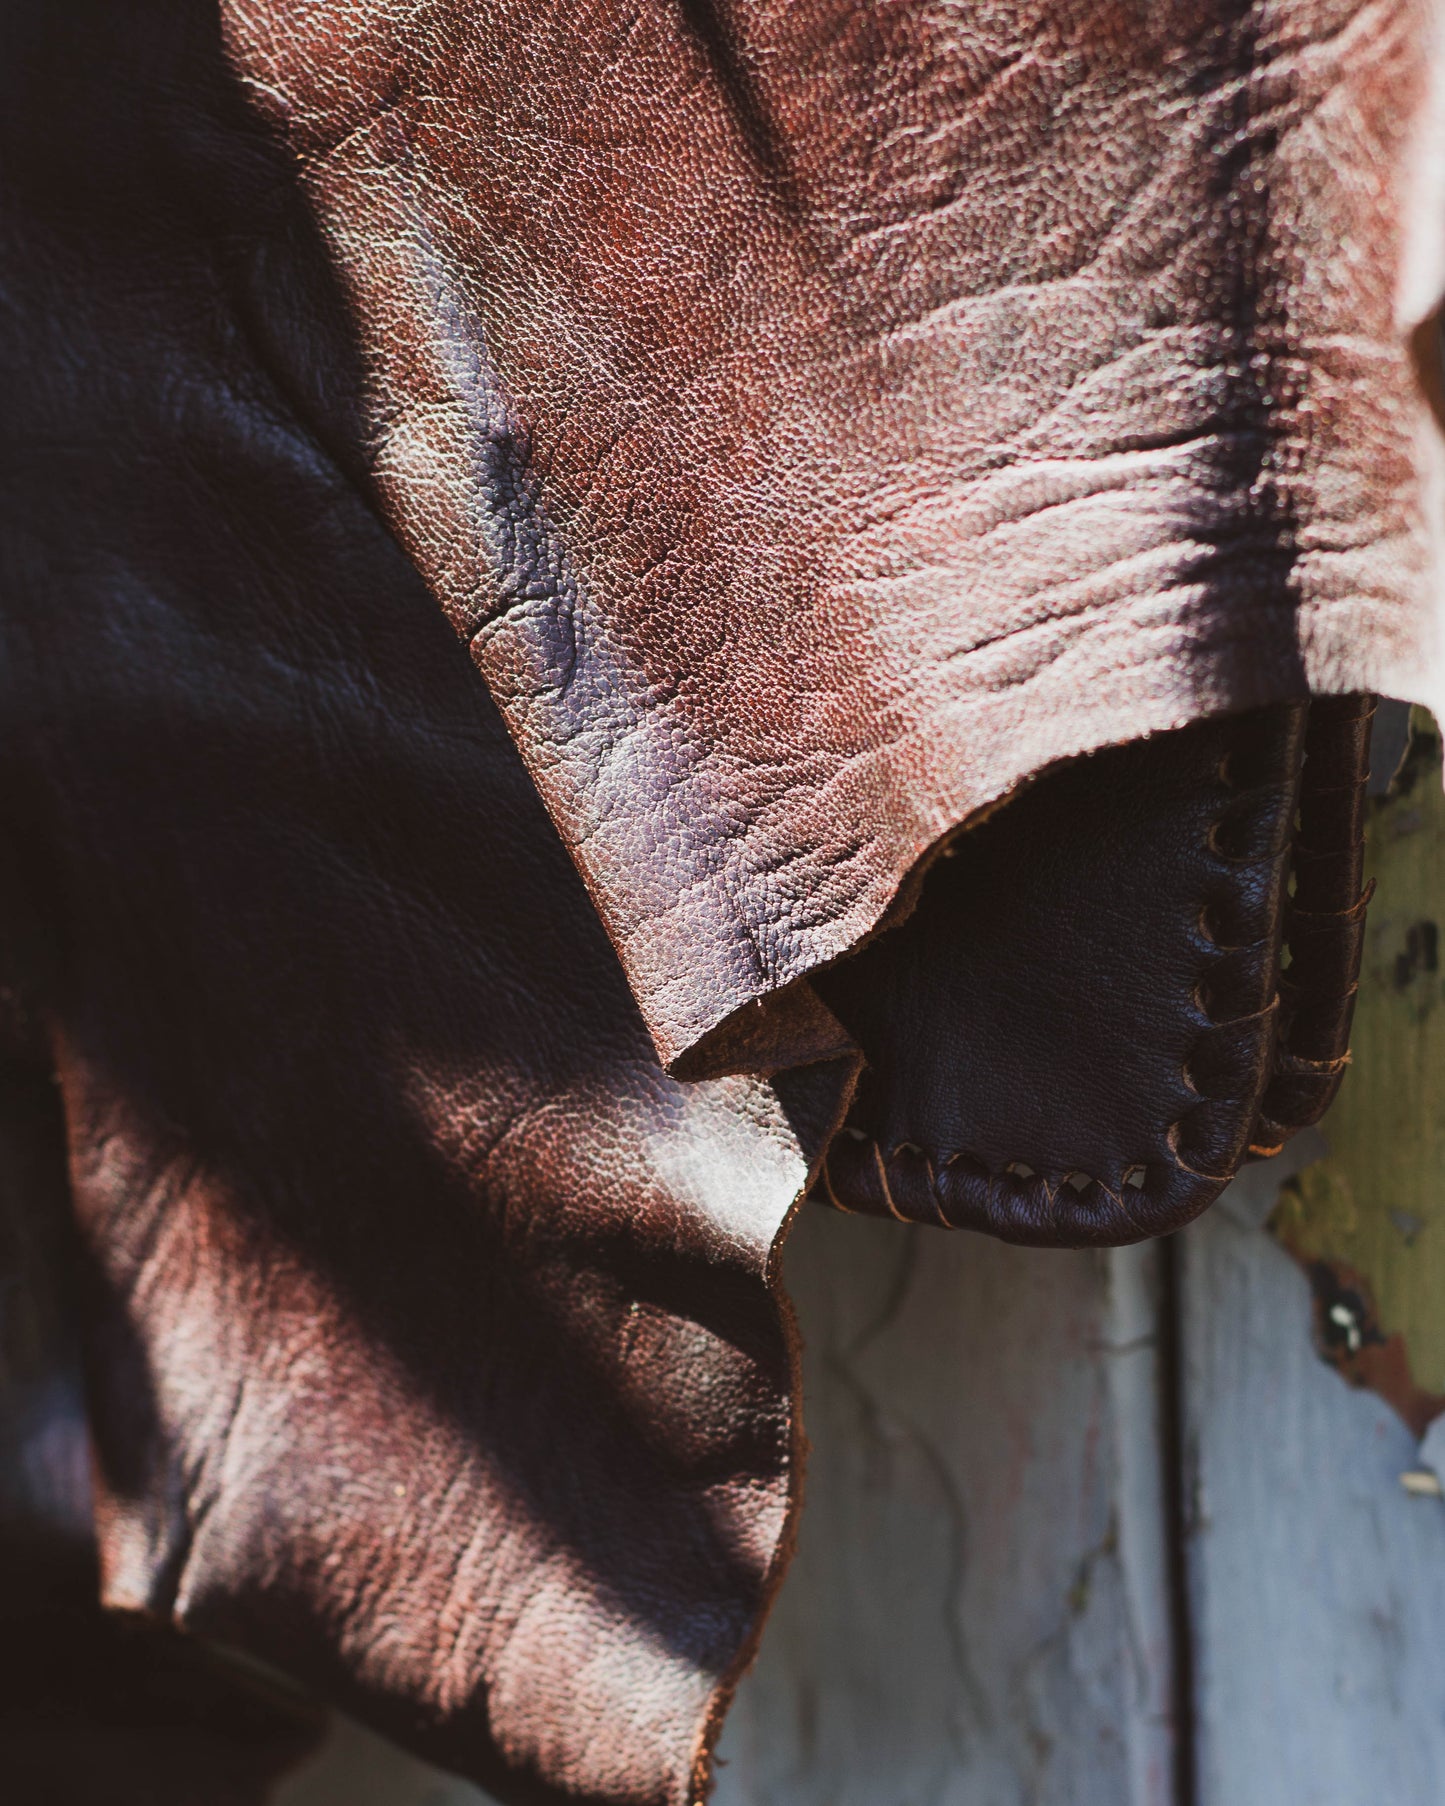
(1368, 1221)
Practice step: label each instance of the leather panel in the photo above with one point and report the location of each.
(432, 1347)
(1068, 1040)
(95, 1707)
(959, 390)
(794, 510)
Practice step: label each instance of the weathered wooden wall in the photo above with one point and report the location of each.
(1317, 1583)
(995, 1630)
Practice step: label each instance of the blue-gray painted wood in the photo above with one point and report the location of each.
(1317, 1582)
(976, 1614)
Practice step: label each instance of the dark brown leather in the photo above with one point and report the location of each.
(821, 418)
(1081, 1031)
(432, 1343)
(103, 1709)
(96, 1708)
(1324, 922)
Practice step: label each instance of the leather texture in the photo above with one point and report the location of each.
(816, 422)
(1082, 1030)
(819, 418)
(95, 1707)
(102, 1707)
(430, 1330)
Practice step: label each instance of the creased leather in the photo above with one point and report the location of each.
(819, 419)
(94, 1706)
(431, 1344)
(819, 422)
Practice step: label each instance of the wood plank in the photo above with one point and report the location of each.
(977, 1615)
(1368, 1220)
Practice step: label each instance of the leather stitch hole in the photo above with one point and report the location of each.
(1213, 930)
(1175, 1137)
(1251, 764)
(962, 1154)
(1218, 1091)
(1135, 1178)
(1228, 839)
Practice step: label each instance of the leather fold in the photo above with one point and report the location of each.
(818, 421)
(1135, 977)
(433, 1346)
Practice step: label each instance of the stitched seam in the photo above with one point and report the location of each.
(893, 1209)
(1291, 1067)
(1050, 1193)
(1216, 1026)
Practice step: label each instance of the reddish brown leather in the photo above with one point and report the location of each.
(96, 1708)
(1082, 1030)
(431, 1344)
(818, 421)
(819, 418)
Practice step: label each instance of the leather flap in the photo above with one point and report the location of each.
(821, 418)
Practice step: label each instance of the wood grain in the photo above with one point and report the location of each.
(1317, 1583)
